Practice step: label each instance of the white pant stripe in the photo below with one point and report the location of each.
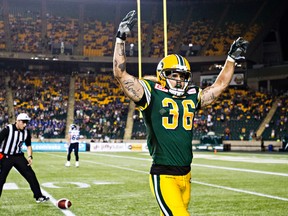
(158, 197)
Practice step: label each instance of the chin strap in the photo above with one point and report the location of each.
(176, 91)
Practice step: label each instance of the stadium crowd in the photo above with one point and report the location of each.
(100, 107)
(91, 35)
(102, 115)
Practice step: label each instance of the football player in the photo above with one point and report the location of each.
(73, 143)
(168, 107)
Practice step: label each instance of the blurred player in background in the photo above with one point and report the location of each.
(168, 107)
(12, 137)
(73, 144)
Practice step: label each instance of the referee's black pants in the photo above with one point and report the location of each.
(21, 164)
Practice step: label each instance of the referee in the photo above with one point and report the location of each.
(12, 137)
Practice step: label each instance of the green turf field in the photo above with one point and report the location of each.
(117, 184)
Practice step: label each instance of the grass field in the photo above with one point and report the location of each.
(223, 184)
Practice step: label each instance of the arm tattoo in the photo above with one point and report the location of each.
(122, 67)
(129, 86)
(121, 51)
(208, 96)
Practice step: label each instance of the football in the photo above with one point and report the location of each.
(63, 203)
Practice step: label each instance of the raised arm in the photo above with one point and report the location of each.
(209, 94)
(130, 84)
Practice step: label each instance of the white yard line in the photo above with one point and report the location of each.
(201, 183)
(66, 212)
(248, 159)
(53, 201)
(195, 182)
(241, 191)
(115, 166)
(201, 165)
(118, 156)
(242, 170)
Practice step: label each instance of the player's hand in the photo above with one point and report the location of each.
(30, 160)
(238, 46)
(126, 25)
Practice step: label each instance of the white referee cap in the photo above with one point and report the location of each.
(23, 116)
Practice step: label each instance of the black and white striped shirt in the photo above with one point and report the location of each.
(12, 139)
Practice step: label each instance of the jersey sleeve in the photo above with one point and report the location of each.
(146, 99)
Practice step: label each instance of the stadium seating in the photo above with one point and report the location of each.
(278, 126)
(3, 104)
(100, 107)
(88, 33)
(44, 98)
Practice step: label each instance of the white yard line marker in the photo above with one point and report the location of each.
(242, 170)
(241, 191)
(54, 201)
(201, 183)
(66, 212)
(10, 186)
(202, 165)
(264, 159)
(118, 156)
(197, 182)
(193, 164)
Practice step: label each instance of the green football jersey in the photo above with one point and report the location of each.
(169, 123)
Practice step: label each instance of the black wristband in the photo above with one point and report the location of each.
(30, 157)
(120, 35)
